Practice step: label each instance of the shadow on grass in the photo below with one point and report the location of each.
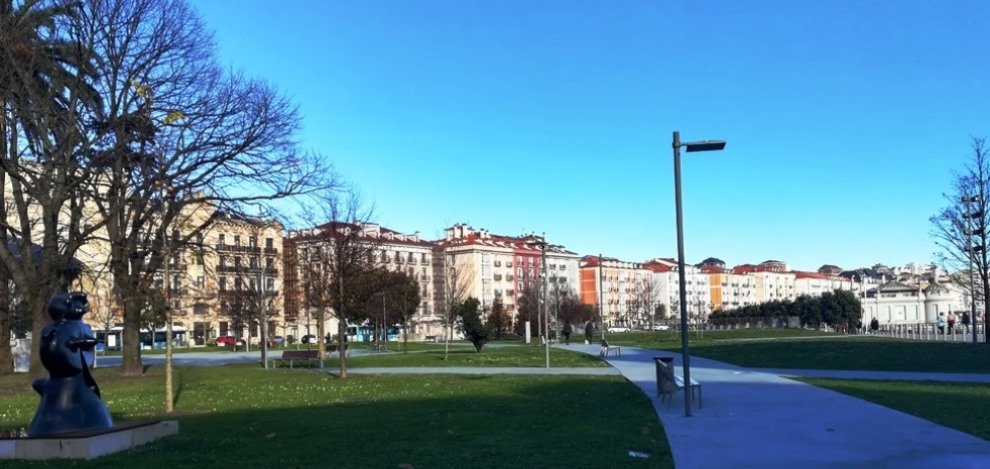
(311, 420)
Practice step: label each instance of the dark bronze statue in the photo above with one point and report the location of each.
(70, 398)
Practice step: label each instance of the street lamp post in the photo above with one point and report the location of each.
(706, 145)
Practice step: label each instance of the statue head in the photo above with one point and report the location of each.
(68, 306)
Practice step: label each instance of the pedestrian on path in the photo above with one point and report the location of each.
(567, 333)
(940, 323)
(965, 321)
(952, 321)
(874, 325)
(589, 331)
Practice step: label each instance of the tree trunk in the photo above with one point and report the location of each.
(321, 348)
(405, 338)
(6, 355)
(342, 331)
(37, 304)
(131, 339)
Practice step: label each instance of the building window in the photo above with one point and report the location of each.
(270, 262)
(224, 328)
(200, 281)
(254, 262)
(223, 286)
(237, 240)
(269, 243)
(270, 284)
(222, 239)
(253, 241)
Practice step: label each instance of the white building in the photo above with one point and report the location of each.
(697, 282)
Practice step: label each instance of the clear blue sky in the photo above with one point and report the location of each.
(844, 119)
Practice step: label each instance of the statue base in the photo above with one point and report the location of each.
(87, 445)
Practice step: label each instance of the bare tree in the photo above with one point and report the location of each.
(647, 298)
(960, 229)
(455, 289)
(180, 141)
(334, 255)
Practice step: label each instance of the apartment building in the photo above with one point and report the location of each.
(620, 288)
(489, 266)
(381, 247)
(697, 287)
(729, 290)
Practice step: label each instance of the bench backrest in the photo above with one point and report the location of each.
(300, 354)
(665, 377)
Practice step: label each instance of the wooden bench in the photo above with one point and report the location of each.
(668, 383)
(292, 356)
(609, 350)
(332, 349)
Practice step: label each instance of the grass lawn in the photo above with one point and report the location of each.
(671, 339)
(234, 415)
(854, 353)
(464, 355)
(963, 406)
(804, 349)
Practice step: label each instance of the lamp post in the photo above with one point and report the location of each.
(706, 145)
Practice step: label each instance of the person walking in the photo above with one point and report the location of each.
(965, 321)
(589, 331)
(940, 323)
(874, 325)
(567, 333)
(952, 321)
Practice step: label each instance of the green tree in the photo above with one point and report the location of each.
(45, 102)
(529, 310)
(476, 332)
(498, 319)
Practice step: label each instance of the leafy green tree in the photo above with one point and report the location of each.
(529, 310)
(402, 298)
(475, 331)
(498, 319)
(45, 103)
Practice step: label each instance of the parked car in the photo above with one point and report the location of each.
(661, 327)
(228, 341)
(276, 341)
(309, 339)
(618, 329)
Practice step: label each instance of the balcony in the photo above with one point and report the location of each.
(236, 248)
(271, 250)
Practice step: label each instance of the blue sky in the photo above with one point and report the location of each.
(844, 119)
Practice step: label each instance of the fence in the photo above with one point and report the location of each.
(925, 331)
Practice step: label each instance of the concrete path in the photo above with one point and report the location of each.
(464, 370)
(761, 420)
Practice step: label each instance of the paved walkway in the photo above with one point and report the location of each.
(759, 419)
(464, 370)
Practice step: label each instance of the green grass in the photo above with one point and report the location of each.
(240, 414)
(465, 355)
(804, 349)
(859, 353)
(963, 406)
(671, 339)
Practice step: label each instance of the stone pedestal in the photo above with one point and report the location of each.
(87, 445)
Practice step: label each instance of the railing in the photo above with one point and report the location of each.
(236, 248)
